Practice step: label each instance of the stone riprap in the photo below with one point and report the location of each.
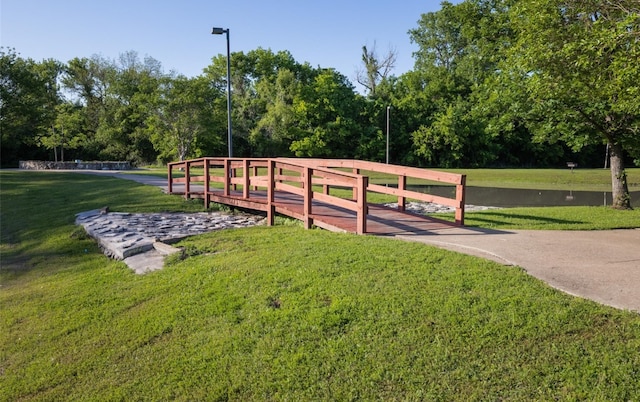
(424, 208)
(141, 240)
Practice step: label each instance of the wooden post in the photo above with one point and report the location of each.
(207, 196)
(460, 200)
(402, 185)
(187, 180)
(233, 174)
(170, 179)
(246, 177)
(307, 175)
(355, 190)
(227, 177)
(280, 173)
(363, 182)
(270, 192)
(255, 174)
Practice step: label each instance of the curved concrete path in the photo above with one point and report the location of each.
(603, 266)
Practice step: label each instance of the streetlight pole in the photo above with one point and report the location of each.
(388, 109)
(220, 31)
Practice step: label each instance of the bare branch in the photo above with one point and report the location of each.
(375, 69)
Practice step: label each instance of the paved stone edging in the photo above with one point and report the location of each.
(124, 235)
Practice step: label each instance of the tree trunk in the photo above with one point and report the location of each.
(619, 187)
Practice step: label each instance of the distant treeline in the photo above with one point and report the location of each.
(495, 83)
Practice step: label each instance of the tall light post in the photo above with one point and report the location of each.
(220, 31)
(388, 109)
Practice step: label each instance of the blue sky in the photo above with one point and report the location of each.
(326, 33)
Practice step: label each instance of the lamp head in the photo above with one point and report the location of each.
(218, 31)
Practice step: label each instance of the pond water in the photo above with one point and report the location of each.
(511, 197)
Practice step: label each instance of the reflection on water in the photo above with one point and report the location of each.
(512, 197)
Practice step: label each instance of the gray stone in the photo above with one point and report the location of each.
(425, 208)
(148, 261)
(138, 239)
(165, 249)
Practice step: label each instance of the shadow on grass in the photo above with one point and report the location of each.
(505, 218)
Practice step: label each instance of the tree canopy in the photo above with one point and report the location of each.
(577, 62)
(495, 83)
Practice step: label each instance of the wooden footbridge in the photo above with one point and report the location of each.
(328, 193)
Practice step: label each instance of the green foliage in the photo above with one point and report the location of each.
(28, 98)
(495, 83)
(453, 139)
(457, 56)
(87, 81)
(568, 46)
(284, 108)
(265, 85)
(67, 132)
(578, 63)
(189, 118)
(327, 116)
(329, 317)
(278, 126)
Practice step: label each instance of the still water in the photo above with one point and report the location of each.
(511, 197)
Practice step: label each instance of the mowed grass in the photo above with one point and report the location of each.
(552, 218)
(282, 313)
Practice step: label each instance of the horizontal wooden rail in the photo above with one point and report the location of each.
(402, 173)
(254, 182)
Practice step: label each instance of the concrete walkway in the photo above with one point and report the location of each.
(603, 266)
(599, 265)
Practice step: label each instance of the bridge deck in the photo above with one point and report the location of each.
(301, 189)
(381, 220)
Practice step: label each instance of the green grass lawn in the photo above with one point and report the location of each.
(552, 218)
(283, 313)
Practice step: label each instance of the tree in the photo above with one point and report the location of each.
(190, 121)
(327, 113)
(453, 139)
(117, 99)
(67, 132)
(88, 82)
(133, 92)
(278, 125)
(449, 67)
(577, 60)
(375, 69)
(28, 98)
(256, 77)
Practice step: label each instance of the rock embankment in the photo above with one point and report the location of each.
(424, 208)
(142, 240)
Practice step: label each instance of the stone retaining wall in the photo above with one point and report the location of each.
(87, 165)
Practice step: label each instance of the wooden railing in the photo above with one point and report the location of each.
(253, 183)
(402, 173)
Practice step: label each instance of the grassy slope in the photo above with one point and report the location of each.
(282, 313)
